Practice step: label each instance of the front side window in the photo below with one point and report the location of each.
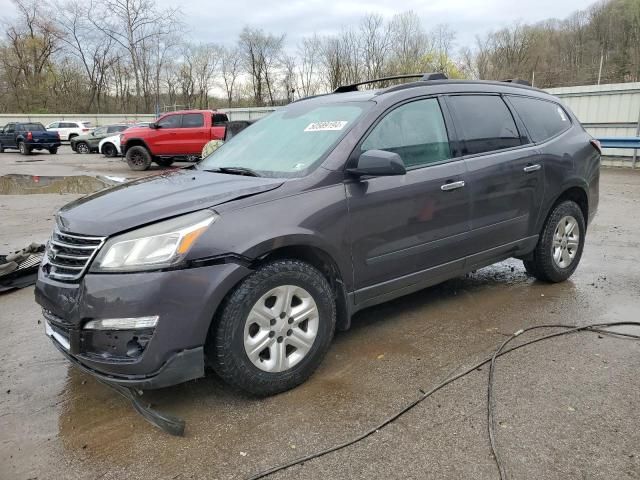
(10, 128)
(289, 142)
(543, 119)
(415, 131)
(54, 125)
(192, 120)
(485, 123)
(170, 121)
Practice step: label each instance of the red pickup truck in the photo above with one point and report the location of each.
(174, 135)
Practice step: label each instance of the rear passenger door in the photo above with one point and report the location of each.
(505, 177)
(408, 230)
(193, 134)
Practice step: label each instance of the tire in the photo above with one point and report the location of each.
(23, 148)
(1, 148)
(71, 137)
(82, 147)
(53, 150)
(138, 158)
(231, 330)
(109, 150)
(558, 252)
(164, 162)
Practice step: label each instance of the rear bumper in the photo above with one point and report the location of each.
(43, 145)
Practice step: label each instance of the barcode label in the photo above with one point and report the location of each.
(325, 126)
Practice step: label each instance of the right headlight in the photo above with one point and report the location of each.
(156, 246)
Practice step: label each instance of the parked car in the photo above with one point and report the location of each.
(89, 143)
(233, 128)
(68, 129)
(110, 146)
(251, 259)
(27, 137)
(174, 136)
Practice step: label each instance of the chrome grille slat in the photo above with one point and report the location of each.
(69, 254)
(74, 247)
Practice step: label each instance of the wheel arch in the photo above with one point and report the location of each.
(322, 261)
(576, 193)
(134, 142)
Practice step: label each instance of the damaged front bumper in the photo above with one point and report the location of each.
(166, 353)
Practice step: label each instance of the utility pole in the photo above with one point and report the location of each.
(533, 79)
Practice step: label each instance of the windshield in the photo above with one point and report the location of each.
(289, 142)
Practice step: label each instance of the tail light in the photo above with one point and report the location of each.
(85, 129)
(29, 136)
(58, 135)
(596, 144)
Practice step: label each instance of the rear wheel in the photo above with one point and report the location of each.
(164, 162)
(1, 148)
(138, 158)
(53, 150)
(274, 329)
(23, 148)
(560, 245)
(109, 150)
(82, 147)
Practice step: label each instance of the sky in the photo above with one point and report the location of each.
(221, 21)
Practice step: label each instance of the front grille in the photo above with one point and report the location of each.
(69, 255)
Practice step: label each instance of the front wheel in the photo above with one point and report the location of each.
(560, 245)
(274, 329)
(138, 158)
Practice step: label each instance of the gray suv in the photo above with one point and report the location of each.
(251, 259)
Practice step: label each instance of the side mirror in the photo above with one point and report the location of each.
(154, 125)
(378, 163)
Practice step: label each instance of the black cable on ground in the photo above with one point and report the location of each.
(596, 327)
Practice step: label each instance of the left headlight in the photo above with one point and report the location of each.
(160, 245)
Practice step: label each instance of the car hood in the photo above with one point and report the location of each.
(154, 198)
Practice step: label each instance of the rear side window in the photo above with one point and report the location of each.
(415, 131)
(485, 123)
(219, 119)
(192, 120)
(543, 119)
(68, 125)
(116, 128)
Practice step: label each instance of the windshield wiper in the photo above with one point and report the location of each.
(234, 171)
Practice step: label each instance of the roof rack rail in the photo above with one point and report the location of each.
(519, 81)
(422, 76)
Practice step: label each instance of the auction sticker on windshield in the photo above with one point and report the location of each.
(325, 126)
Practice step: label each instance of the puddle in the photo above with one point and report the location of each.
(15, 184)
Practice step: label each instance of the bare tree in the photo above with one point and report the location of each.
(134, 25)
(230, 69)
(375, 42)
(309, 53)
(261, 54)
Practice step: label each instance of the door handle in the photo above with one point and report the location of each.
(452, 186)
(532, 168)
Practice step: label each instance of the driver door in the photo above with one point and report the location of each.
(409, 231)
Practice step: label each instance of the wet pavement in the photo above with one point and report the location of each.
(566, 408)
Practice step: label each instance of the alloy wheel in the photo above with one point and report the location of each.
(566, 240)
